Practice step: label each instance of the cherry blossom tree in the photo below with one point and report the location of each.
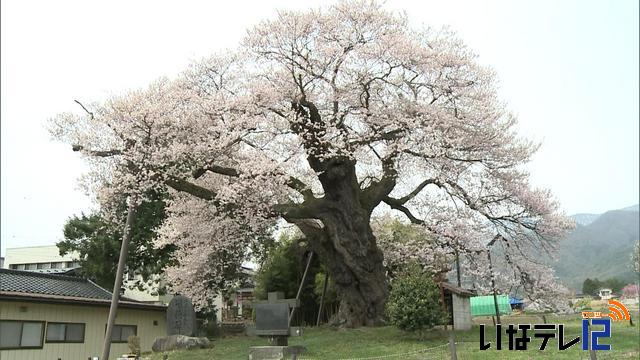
(404, 245)
(519, 270)
(630, 291)
(319, 118)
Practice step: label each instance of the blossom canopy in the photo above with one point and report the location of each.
(319, 118)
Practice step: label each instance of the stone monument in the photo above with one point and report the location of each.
(181, 328)
(181, 318)
(272, 322)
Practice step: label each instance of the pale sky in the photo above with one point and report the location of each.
(569, 69)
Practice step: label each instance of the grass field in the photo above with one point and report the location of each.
(330, 343)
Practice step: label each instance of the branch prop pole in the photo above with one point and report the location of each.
(304, 277)
(324, 291)
(115, 296)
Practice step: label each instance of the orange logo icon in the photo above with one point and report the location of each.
(618, 311)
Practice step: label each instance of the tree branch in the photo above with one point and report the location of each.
(191, 188)
(375, 193)
(418, 189)
(84, 108)
(98, 153)
(301, 187)
(222, 170)
(292, 182)
(398, 205)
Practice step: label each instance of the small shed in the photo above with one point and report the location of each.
(458, 305)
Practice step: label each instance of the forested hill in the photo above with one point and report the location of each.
(600, 247)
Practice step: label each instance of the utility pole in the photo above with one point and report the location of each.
(493, 287)
(113, 309)
(458, 267)
(493, 281)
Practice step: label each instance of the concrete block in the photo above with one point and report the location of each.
(275, 352)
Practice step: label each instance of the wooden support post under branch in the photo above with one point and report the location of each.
(324, 291)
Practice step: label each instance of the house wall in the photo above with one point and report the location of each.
(36, 254)
(150, 292)
(94, 318)
(461, 312)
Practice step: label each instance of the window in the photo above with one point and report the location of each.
(19, 267)
(65, 332)
(16, 334)
(29, 266)
(71, 264)
(122, 332)
(44, 265)
(56, 265)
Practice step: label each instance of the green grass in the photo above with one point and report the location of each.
(330, 343)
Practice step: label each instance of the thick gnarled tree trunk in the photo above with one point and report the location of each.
(355, 263)
(346, 245)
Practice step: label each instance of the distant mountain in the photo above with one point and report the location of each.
(584, 219)
(635, 207)
(599, 246)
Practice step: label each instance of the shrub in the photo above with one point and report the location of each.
(134, 344)
(414, 301)
(582, 304)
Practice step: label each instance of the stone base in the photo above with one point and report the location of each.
(275, 352)
(177, 342)
(278, 340)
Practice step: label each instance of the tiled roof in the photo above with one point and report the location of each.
(19, 281)
(457, 290)
(23, 285)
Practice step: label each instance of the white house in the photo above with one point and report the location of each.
(53, 316)
(605, 294)
(46, 259)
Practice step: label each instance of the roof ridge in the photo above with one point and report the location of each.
(32, 282)
(43, 275)
(101, 288)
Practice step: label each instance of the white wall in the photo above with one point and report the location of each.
(461, 312)
(151, 324)
(36, 254)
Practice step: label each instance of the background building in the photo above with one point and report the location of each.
(53, 316)
(40, 258)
